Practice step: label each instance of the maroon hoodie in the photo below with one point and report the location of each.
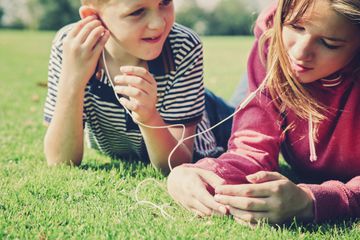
(257, 139)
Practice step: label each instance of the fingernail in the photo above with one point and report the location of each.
(118, 88)
(217, 197)
(251, 177)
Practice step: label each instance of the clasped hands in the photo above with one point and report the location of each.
(268, 196)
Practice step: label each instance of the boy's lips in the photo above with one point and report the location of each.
(154, 39)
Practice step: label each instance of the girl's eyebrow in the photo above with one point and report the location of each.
(334, 39)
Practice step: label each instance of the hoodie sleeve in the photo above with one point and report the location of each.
(334, 199)
(254, 144)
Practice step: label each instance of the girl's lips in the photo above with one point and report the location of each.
(300, 68)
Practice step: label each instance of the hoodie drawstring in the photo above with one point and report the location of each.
(313, 156)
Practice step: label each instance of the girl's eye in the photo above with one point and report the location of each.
(165, 2)
(329, 46)
(137, 12)
(297, 27)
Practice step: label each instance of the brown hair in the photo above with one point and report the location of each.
(284, 89)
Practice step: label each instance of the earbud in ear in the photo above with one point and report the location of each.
(86, 11)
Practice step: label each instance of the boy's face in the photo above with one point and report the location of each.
(140, 27)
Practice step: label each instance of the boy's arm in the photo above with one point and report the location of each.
(160, 143)
(69, 71)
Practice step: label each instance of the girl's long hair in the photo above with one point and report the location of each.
(287, 92)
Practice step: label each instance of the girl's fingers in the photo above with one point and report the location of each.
(244, 203)
(134, 81)
(264, 176)
(79, 25)
(245, 190)
(138, 71)
(248, 216)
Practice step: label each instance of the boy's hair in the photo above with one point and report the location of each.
(94, 2)
(287, 92)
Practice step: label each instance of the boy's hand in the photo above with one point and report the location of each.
(81, 51)
(269, 196)
(188, 186)
(141, 89)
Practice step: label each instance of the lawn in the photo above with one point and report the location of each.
(102, 199)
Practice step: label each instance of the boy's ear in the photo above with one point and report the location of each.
(86, 11)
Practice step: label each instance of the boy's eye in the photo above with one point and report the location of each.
(165, 2)
(137, 12)
(329, 46)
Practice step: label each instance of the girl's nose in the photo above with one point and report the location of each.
(303, 50)
(157, 21)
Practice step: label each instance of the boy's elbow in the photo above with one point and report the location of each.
(55, 158)
(56, 161)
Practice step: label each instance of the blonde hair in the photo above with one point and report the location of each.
(287, 92)
(94, 2)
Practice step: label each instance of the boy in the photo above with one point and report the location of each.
(156, 66)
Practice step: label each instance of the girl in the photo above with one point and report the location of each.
(306, 104)
(157, 69)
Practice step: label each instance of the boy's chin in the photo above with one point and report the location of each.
(149, 57)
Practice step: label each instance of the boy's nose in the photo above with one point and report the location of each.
(303, 50)
(157, 21)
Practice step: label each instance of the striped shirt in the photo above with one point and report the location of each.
(178, 72)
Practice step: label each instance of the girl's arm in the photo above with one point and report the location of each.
(72, 63)
(334, 199)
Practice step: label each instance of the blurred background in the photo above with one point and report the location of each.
(231, 17)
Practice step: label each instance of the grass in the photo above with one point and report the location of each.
(98, 200)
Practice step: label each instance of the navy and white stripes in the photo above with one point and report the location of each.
(178, 72)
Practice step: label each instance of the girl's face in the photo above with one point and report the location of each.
(321, 43)
(139, 27)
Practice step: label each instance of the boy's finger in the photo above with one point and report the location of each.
(131, 105)
(131, 92)
(134, 81)
(94, 37)
(79, 25)
(210, 178)
(101, 44)
(201, 208)
(87, 29)
(138, 71)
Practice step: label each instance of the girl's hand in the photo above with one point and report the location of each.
(188, 186)
(141, 89)
(269, 196)
(81, 50)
